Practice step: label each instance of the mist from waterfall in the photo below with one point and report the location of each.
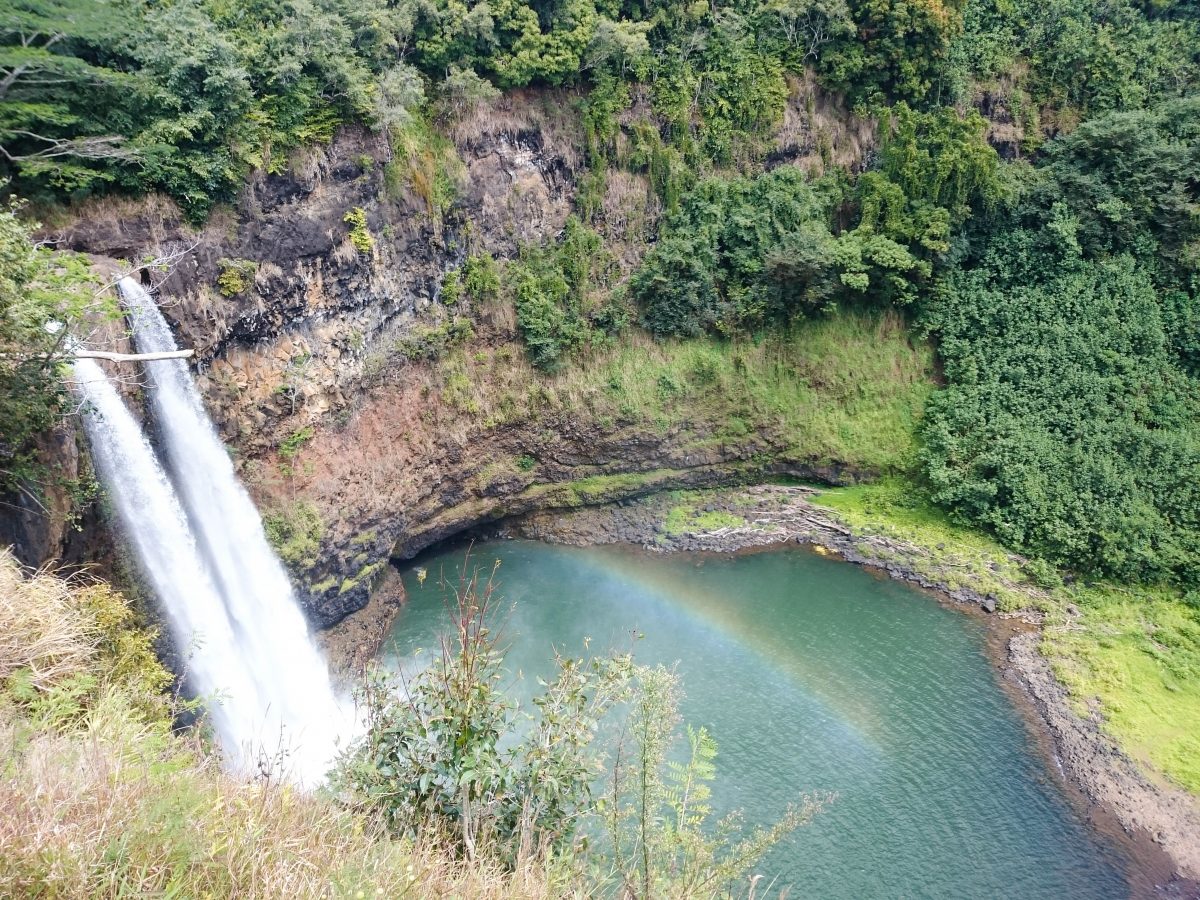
(201, 545)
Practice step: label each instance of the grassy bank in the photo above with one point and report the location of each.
(848, 388)
(1128, 654)
(1134, 655)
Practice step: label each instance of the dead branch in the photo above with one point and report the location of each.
(134, 357)
(108, 355)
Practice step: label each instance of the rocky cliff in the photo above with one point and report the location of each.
(303, 302)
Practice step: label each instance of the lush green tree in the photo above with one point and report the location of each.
(898, 51)
(1065, 426)
(557, 291)
(744, 253)
(1069, 424)
(66, 93)
(44, 300)
(740, 254)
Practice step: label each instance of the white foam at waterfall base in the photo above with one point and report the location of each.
(296, 716)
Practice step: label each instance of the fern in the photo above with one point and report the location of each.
(687, 790)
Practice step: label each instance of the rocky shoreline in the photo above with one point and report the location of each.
(1159, 824)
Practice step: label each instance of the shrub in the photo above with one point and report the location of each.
(290, 445)
(62, 642)
(296, 532)
(236, 276)
(360, 235)
(553, 289)
(441, 754)
(449, 754)
(427, 343)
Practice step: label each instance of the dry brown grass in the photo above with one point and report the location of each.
(113, 211)
(818, 124)
(41, 629)
(122, 807)
(551, 113)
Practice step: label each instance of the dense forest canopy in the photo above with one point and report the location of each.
(1061, 284)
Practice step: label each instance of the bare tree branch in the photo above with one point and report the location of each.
(101, 147)
(110, 355)
(134, 357)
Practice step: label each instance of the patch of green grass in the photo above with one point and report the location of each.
(685, 518)
(236, 276)
(598, 487)
(290, 445)
(295, 532)
(849, 388)
(360, 234)
(433, 341)
(365, 574)
(364, 538)
(1136, 652)
(957, 555)
(322, 586)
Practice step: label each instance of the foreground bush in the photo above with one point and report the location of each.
(446, 755)
(100, 797)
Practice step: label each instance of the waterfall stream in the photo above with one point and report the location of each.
(201, 545)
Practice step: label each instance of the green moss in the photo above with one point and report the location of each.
(295, 532)
(290, 446)
(685, 518)
(954, 554)
(322, 586)
(364, 576)
(364, 538)
(525, 462)
(598, 487)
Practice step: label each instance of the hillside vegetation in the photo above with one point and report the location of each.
(1058, 283)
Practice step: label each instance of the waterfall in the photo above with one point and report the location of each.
(277, 699)
(153, 520)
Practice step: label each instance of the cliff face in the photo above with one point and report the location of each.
(355, 451)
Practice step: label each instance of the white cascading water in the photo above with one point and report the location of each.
(287, 711)
(149, 511)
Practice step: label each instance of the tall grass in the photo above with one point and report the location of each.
(848, 388)
(42, 632)
(122, 807)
